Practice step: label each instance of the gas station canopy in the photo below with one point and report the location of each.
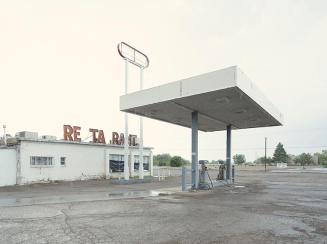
(222, 97)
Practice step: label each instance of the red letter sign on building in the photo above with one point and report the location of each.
(72, 133)
(68, 131)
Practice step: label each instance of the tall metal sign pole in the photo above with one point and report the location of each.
(126, 167)
(139, 59)
(141, 168)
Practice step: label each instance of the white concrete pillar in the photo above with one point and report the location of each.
(107, 163)
(151, 163)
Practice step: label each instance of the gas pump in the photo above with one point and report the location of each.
(205, 182)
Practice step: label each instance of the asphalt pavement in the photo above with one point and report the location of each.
(260, 207)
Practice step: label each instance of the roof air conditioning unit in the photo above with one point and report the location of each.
(27, 135)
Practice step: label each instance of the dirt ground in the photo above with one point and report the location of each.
(260, 207)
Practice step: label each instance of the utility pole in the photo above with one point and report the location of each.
(265, 154)
(4, 135)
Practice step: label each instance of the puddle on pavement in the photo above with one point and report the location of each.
(131, 194)
(113, 194)
(307, 199)
(7, 201)
(11, 201)
(284, 204)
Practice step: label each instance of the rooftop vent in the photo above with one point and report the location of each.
(49, 138)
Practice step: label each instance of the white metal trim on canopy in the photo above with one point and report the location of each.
(220, 97)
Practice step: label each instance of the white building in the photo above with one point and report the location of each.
(26, 160)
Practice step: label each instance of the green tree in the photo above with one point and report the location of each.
(176, 161)
(304, 159)
(161, 159)
(261, 160)
(322, 157)
(185, 161)
(220, 161)
(280, 155)
(290, 159)
(239, 159)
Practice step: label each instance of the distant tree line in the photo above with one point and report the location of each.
(280, 156)
(166, 159)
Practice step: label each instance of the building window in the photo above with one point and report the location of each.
(146, 160)
(116, 163)
(63, 161)
(41, 161)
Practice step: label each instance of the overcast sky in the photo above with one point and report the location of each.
(59, 65)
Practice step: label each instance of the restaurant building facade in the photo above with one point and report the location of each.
(27, 158)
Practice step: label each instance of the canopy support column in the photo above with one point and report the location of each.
(195, 164)
(228, 153)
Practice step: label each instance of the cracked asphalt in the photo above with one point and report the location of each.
(260, 208)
